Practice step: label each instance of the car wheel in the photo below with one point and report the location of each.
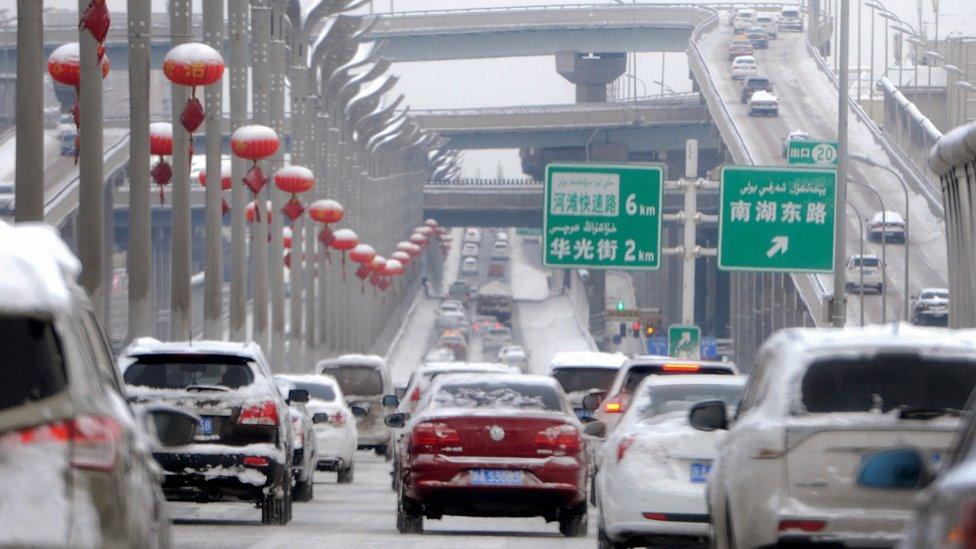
(305, 490)
(409, 519)
(573, 521)
(277, 509)
(346, 475)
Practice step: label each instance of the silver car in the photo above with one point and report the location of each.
(931, 307)
(364, 380)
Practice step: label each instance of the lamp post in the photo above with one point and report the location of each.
(860, 223)
(904, 186)
(884, 247)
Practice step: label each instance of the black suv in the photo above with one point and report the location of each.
(243, 447)
(752, 84)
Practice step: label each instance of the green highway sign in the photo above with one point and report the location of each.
(602, 216)
(684, 342)
(819, 154)
(777, 219)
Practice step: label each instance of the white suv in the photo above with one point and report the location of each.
(818, 402)
(863, 272)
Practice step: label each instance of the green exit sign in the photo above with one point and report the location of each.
(812, 153)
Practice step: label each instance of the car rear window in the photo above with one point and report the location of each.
(887, 382)
(183, 371)
(357, 380)
(33, 364)
(316, 390)
(934, 295)
(668, 399)
(585, 379)
(638, 372)
(758, 82)
(497, 395)
(866, 261)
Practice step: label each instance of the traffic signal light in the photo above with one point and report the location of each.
(649, 330)
(635, 329)
(623, 330)
(620, 305)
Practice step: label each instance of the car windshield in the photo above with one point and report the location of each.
(667, 399)
(33, 364)
(316, 390)
(173, 371)
(934, 295)
(357, 380)
(758, 83)
(866, 261)
(497, 395)
(887, 382)
(584, 379)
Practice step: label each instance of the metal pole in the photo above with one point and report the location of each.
(860, 69)
(276, 112)
(237, 19)
(260, 79)
(213, 34)
(860, 223)
(840, 293)
(884, 248)
(180, 295)
(29, 122)
(873, 13)
(690, 230)
(138, 257)
(91, 201)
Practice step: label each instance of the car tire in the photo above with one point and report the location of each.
(346, 475)
(573, 521)
(409, 519)
(277, 510)
(304, 490)
(603, 541)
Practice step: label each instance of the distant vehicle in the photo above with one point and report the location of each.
(481, 323)
(931, 307)
(514, 450)
(7, 198)
(763, 103)
(76, 461)
(496, 269)
(496, 338)
(450, 306)
(791, 19)
(890, 224)
(744, 18)
(752, 84)
(769, 23)
(67, 135)
(472, 235)
(757, 37)
(795, 135)
(820, 411)
(470, 266)
(501, 236)
(333, 421)
(304, 444)
(230, 386)
(636, 476)
(456, 342)
(499, 251)
(634, 370)
(439, 354)
(365, 380)
(866, 268)
(454, 320)
(460, 290)
(514, 355)
(470, 249)
(495, 299)
(584, 372)
(739, 47)
(743, 66)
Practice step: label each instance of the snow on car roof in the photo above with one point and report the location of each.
(463, 367)
(38, 269)
(764, 96)
(880, 337)
(888, 216)
(523, 379)
(704, 379)
(148, 345)
(352, 360)
(586, 359)
(320, 379)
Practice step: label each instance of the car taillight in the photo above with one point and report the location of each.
(94, 441)
(562, 438)
(338, 419)
(434, 435)
(685, 368)
(298, 436)
(265, 413)
(415, 395)
(613, 406)
(802, 525)
(623, 446)
(256, 461)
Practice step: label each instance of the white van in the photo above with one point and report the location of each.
(743, 19)
(791, 19)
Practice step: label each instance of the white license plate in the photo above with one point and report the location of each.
(496, 477)
(699, 471)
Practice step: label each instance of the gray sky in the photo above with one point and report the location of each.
(533, 80)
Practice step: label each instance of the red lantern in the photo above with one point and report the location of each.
(225, 176)
(251, 213)
(193, 64)
(326, 211)
(161, 144)
(97, 21)
(377, 264)
(432, 223)
(363, 254)
(424, 230)
(418, 239)
(393, 267)
(64, 66)
(254, 143)
(344, 240)
(294, 180)
(401, 256)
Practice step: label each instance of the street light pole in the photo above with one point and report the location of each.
(840, 291)
(884, 247)
(860, 222)
(29, 121)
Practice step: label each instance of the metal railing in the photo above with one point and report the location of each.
(608, 5)
(486, 183)
(911, 130)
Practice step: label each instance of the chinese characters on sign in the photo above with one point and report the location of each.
(602, 216)
(777, 219)
(812, 153)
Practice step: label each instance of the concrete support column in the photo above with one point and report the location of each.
(213, 35)
(29, 169)
(181, 322)
(260, 97)
(238, 29)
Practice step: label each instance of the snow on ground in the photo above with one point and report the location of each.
(529, 282)
(408, 351)
(452, 263)
(549, 327)
(620, 287)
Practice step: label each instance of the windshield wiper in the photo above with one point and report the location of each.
(923, 413)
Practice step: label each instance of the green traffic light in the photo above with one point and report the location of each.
(620, 305)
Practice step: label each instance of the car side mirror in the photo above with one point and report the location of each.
(596, 429)
(358, 411)
(396, 420)
(391, 401)
(320, 417)
(298, 396)
(894, 469)
(592, 400)
(400, 392)
(711, 415)
(172, 426)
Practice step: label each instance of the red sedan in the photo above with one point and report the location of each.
(504, 446)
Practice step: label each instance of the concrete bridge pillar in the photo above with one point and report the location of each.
(591, 72)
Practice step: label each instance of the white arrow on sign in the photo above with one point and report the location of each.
(780, 245)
